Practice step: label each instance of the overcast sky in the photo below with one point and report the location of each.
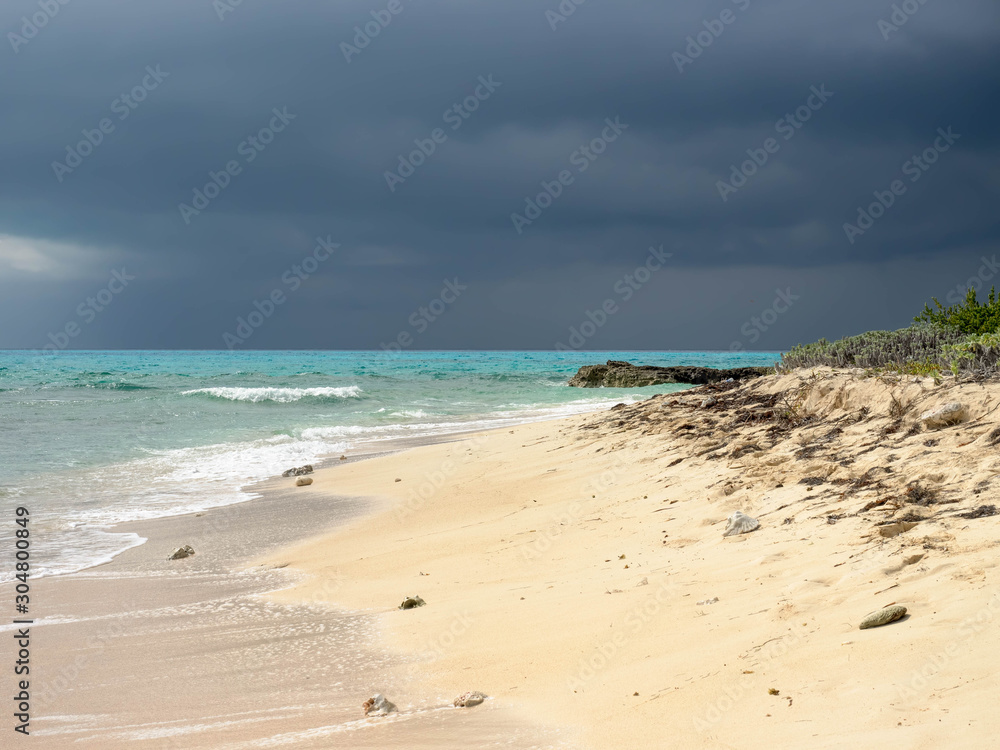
(111, 241)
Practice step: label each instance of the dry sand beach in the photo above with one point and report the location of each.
(576, 570)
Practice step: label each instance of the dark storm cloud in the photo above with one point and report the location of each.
(348, 123)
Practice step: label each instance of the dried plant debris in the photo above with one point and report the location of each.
(983, 511)
(745, 449)
(868, 479)
(916, 494)
(812, 481)
(876, 503)
(891, 428)
(897, 409)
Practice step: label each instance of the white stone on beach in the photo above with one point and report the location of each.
(181, 552)
(377, 705)
(883, 616)
(303, 481)
(470, 699)
(740, 523)
(943, 416)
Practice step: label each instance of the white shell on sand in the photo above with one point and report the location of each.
(470, 699)
(741, 523)
(377, 705)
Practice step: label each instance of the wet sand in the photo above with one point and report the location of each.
(145, 652)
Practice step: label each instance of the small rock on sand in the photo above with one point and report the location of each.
(298, 471)
(470, 699)
(303, 481)
(945, 415)
(884, 616)
(181, 552)
(377, 705)
(412, 602)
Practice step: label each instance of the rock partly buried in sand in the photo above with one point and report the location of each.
(303, 481)
(412, 602)
(470, 699)
(884, 616)
(741, 523)
(626, 375)
(181, 552)
(377, 705)
(890, 530)
(298, 471)
(943, 416)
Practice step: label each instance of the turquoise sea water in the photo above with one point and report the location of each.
(90, 439)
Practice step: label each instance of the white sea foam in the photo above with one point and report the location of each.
(166, 483)
(278, 395)
(185, 480)
(412, 413)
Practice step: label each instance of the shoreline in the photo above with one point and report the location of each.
(576, 570)
(210, 616)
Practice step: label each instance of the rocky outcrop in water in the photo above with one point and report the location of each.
(626, 375)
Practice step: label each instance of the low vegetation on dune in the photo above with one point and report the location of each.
(962, 338)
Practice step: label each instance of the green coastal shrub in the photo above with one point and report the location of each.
(968, 317)
(918, 349)
(961, 338)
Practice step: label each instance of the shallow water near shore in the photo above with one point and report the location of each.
(93, 439)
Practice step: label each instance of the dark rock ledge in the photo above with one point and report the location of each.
(626, 375)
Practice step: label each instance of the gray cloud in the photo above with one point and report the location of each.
(325, 173)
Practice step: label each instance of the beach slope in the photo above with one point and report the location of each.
(577, 570)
